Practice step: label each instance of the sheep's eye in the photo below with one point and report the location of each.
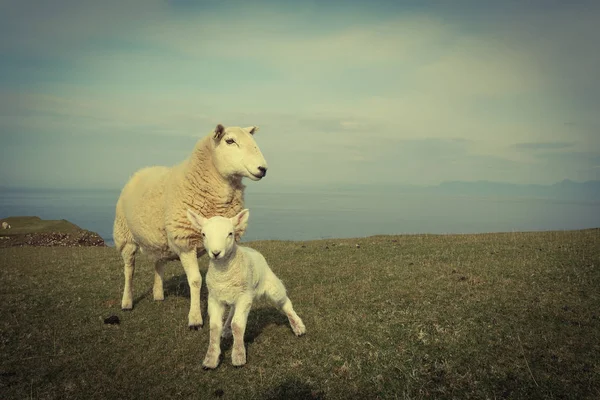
(230, 233)
(203, 235)
(230, 141)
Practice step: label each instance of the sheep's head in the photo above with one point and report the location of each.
(236, 153)
(218, 233)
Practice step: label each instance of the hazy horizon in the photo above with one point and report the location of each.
(397, 92)
(308, 215)
(288, 186)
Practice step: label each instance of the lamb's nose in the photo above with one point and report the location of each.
(263, 170)
(216, 253)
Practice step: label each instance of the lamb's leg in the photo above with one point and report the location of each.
(189, 261)
(128, 254)
(238, 327)
(159, 270)
(277, 293)
(227, 328)
(215, 314)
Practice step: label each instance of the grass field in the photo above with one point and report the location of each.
(514, 315)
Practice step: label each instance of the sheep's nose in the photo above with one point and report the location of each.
(263, 170)
(216, 253)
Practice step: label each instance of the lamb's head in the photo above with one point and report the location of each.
(218, 233)
(236, 153)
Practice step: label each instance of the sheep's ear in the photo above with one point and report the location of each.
(196, 220)
(219, 132)
(251, 129)
(240, 221)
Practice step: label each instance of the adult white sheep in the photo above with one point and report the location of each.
(151, 210)
(236, 276)
(5, 225)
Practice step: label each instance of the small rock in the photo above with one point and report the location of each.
(219, 393)
(358, 246)
(112, 320)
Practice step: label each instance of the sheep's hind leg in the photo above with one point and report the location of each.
(189, 261)
(128, 254)
(159, 270)
(277, 293)
(295, 321)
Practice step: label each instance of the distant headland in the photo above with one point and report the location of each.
(33, 231)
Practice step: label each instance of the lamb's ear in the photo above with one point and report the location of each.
(219, 132)
(251, 129)
(240, 221)
(196, 220)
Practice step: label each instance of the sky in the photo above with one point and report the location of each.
(344, 92)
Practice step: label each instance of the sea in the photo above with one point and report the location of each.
(305, 214)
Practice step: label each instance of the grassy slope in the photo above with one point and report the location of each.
(23, 225)
(513, 315)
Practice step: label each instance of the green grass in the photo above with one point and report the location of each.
(27, 224)
(492, 316)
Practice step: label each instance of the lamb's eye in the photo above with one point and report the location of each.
(203, 235)
(230, 233)
(230, 141)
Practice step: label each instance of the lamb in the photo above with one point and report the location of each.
(151, 209)
(236, 276)
(5, 225)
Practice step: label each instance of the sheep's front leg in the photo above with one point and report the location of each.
(189, 261)
(238, 327)
(215, 314)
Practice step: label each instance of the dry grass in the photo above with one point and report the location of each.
(512, 315)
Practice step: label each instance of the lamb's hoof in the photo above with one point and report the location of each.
(195, 321)
(195, 327)
(298, 328)
(161, 298)
(239, 362)
(209, 364)
(126, 308)
(238, 358)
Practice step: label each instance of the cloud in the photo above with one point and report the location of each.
(342, 93)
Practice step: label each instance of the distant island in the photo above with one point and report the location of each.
(34, 231)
